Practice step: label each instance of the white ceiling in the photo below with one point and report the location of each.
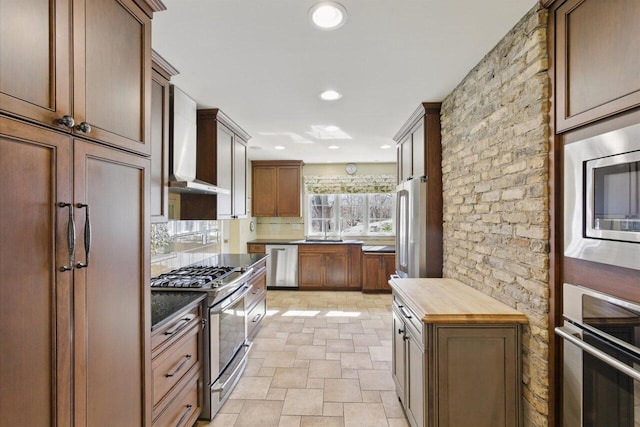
(264, 65)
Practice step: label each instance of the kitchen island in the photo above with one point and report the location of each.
(456, 355)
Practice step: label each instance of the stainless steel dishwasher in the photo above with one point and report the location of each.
(282, 266)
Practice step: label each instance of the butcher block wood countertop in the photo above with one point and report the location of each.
(451, 301)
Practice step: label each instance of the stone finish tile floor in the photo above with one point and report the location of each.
(320, 359)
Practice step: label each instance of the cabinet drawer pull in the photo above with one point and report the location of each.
(180, 366)
(400, 331)
(406, 313)
(184, 416)
(257, 318)
(181, 324)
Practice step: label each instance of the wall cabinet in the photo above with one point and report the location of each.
(418, 148)
(327, 266)
(597, 58)
(377, 268)
(61, 72)
(92, 321)
(159, 137)
(456, 355)
(177, 369)
(276, 188)
(222, 161)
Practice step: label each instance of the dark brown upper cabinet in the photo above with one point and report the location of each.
(597, 60)
(276, 188)
(61, 72)
(418, 143)
(162, 73)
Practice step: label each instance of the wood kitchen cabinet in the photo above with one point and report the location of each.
(377, 268)
(256, 300)
(61, 72)
(456, 355)
(222, 161)
(276, 188)
(162, 73)
(177, 369)
(418, 144)
(597, 56)
(326, 266)
(92, 323)
(256, 248)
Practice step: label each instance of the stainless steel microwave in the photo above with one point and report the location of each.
(602, 198)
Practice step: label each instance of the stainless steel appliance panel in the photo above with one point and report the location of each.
(601, 376)
(282, 266)
(596, 225)
(411, 237)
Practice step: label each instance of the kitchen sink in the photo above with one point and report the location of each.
(322, 240)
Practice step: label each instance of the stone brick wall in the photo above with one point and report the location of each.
(495, 171)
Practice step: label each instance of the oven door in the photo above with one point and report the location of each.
(601, 385)
(228, 349)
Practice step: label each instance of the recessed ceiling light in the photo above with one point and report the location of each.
(385, 147)
(333, 147)
(279, 147)
(330, 95)
(328, 15)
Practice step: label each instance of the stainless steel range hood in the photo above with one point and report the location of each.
(182, 147)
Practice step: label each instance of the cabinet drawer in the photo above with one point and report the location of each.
(174, 328)
(258, 287)
(324, 248)
(413, 322)
(185, 408)
(254, 248)
(255, 316)
(173, 363)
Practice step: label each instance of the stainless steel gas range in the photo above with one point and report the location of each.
(225, 338)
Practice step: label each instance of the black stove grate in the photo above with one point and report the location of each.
(192, 277)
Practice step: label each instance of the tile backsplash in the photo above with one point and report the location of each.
(178, 243)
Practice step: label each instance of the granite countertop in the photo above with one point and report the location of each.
(164, 305)
(451, 301)
(379, 249)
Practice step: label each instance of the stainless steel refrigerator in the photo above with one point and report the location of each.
(411, 205)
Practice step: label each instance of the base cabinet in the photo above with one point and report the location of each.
(256, 300)
(324, 267)
(456, 374)
(376, 270)
(177, 369)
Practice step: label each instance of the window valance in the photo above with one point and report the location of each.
(346, 184)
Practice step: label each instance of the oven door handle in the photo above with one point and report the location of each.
(215, 388)
(597, 353)
(217, 309)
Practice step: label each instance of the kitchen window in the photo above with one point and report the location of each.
(351, 214)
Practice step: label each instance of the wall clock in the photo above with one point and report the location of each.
(351, 168)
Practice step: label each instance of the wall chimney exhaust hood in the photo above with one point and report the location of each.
(182, 147)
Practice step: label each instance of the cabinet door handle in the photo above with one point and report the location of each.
(180, 366)
(84, 127)
(71, 236)
(400, 331)
(184, 416)
(66, 121)
(258, 316)
(87, 235)
(180, 325)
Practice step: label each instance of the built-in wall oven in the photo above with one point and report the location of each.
(602, 198)
(601, 379)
